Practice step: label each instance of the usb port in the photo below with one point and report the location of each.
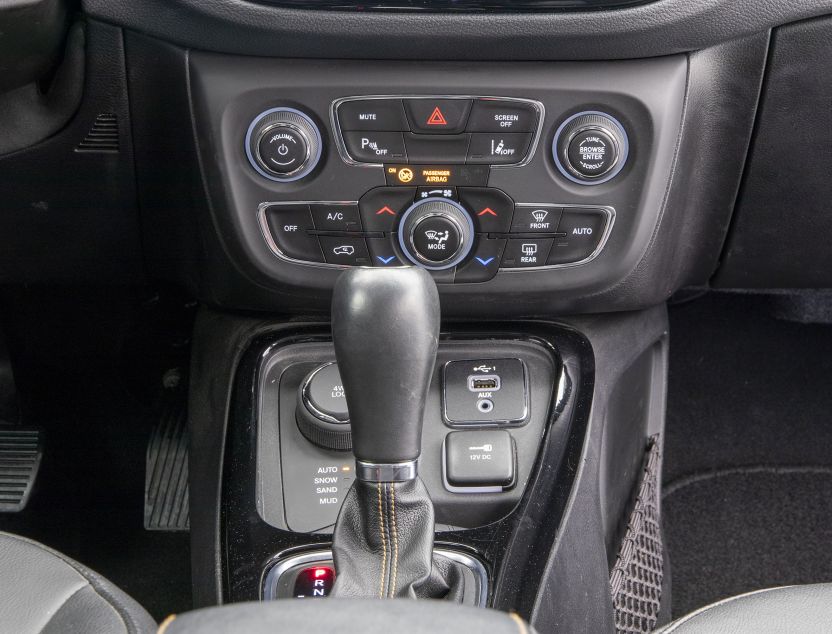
(486, 383)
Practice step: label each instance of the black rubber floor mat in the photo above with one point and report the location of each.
(738, 530)
(166, 504)
(20, 455)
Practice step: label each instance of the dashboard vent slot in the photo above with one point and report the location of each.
(102, 137)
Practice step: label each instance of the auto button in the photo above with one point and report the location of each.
(581, 232)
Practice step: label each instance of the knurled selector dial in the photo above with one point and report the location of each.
(283, 144)
(436, 233)
(590, 148)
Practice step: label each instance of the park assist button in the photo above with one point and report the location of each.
(288, 226)
(495, 115)
(498, 148)
(375, 147)
(437, 116)
(479, 459)
(381, 115)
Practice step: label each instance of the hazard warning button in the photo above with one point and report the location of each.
(437, 116)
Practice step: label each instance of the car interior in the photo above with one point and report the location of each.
(415, 316)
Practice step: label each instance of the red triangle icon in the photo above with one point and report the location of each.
(437, 118)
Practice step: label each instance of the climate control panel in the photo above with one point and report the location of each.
(464, 234)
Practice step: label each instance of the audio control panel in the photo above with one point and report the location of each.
(523, 188)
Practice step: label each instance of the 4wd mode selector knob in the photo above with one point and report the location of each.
(283, 144)
(436, 233)
(590, 148)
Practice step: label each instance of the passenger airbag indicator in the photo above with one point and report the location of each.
(437, 175)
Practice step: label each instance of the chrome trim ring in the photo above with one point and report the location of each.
(297, 120)
(307, 401)
(386, 472)
(623, 153)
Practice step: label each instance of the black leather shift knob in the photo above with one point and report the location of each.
(385, 325)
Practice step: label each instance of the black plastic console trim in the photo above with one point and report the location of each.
(515, 549)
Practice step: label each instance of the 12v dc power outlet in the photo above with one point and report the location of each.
(479, 459)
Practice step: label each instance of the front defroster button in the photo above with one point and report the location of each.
(536, 219)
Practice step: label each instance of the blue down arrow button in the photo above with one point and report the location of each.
(485, 264)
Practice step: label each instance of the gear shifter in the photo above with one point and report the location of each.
(385, 323)
(385, 326)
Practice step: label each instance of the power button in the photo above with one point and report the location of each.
(282, 149)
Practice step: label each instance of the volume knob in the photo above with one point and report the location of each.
(283, 144)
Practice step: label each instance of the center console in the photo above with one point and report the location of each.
(526, 190)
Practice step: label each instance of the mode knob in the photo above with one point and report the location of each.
(283, 144)
(436, 233)
(590, 148)
(321, 412)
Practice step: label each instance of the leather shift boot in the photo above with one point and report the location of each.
(383, 545)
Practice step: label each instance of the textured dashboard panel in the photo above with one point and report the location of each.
(661, 28)
(780, 237)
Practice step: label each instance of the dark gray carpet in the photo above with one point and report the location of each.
(736, 531)
(748, 450)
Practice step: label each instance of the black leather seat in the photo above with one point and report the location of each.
(805, 609)
(46, 592)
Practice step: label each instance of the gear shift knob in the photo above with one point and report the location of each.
(385, 326)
